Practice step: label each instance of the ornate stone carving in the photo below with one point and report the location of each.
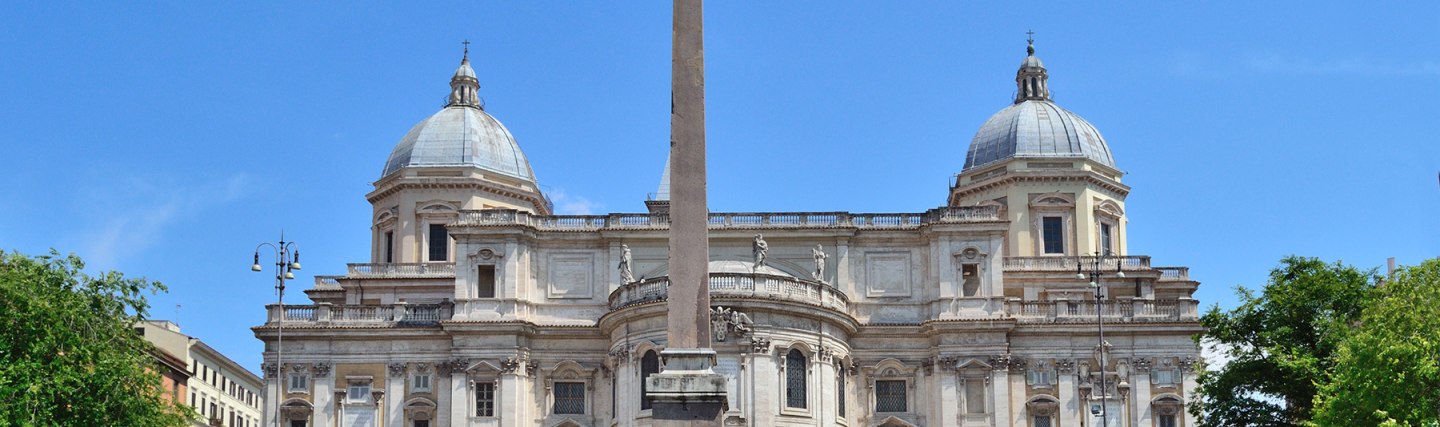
(1186, 363)
(825, 355)
(621, 354)
(947, 362)
(321, 369)
(531, 367)
(1042, 407)
(423, 368)
(927, 365)
(725, 322)
(377, 394)
(854, 368)
(452, 366)
(1084, 368)
(397, 369)
(1065, 366)
(1142, 364)
(1017, 364)
(268, 369)
(510, 365)
(1000, 362)
(759, 345)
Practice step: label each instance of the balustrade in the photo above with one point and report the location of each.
(329, 314)
(1122, 310)
(738, 285)
(742, 220)
(1069, 263)
(396, 270)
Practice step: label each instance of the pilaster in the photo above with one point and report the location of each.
(1068, 393)
(1000, 383)
(324, 395)
(395, 394)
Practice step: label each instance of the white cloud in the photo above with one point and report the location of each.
(566, 204)
(136, 212)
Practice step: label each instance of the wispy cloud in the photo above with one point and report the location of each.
(567, 204)
(1197, 65)
(136, 212)
(1355, 65)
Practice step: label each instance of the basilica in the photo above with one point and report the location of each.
(1015, 302)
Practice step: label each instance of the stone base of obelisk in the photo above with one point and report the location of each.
(688, 392)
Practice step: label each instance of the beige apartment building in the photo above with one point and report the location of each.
(221, 391)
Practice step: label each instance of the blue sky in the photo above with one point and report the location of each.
(166, 140)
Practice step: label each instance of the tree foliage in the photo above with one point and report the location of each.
(1388, 371)
(1281, 344)
(68, 353)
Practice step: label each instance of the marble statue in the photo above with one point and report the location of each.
(759, 249)
(626, 274)
(820, 256)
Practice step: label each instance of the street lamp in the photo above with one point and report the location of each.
(1094, 274)
(287, 260)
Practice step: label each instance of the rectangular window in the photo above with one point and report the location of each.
(1042, 378)
(299, 383)
(1167, 421)
(1162, 376)
(840, 391)
(358, 392)
(1105, 245)
(890, 396)
(422, 423)
(297, 423)
(974, 396)
(569, 398)
(389, 247)
(484, 399)
(970, 274)
(439, 243)
(485, 281)
(1054, 234)
(1042, 421)
(422, 382)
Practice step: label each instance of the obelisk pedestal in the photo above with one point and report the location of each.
(688, 392)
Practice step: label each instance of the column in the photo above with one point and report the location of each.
(1141, 392)
(395, 395)
(1000, 379)
(947, 392)
(1070, 405)
(1187, 375)
(459, 387)
(324, 396)
(511, 398)
(270, 403)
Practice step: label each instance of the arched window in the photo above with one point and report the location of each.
(840, 390)
(649, 365)
(795, 379)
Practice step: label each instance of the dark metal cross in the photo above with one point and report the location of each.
(467, 48)
(1030, 36)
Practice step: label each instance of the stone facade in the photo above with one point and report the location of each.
(969, 314)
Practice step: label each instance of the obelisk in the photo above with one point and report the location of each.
(688, 392)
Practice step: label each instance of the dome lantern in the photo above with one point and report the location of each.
(464, 87)
(1031, 80)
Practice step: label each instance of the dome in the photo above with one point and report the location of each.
(461, 134)
(1036, 129)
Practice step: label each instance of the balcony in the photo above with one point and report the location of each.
(739, 285)
(1121, 310)
(325, 314)
(724, 221)
(401, 270)
(1071, 263)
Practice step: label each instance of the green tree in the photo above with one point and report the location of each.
(68, 353)
(1281, 343)
(1388, 370)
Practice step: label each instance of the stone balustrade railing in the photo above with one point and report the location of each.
(325, 314)
(393, 270)
(742, 285)
(734, 220)
(327, 283)
(1069, 263)
(1119, 310)
(1174, 273)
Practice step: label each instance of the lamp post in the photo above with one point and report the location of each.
(1094, 274)
(287, 260)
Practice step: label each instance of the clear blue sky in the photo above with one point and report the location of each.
(166, 140)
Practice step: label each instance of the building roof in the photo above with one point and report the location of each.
(1035, 127)
(461, 134)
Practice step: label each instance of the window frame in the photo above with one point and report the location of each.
(789, 374)
(475, 394)
(583, 398)
(904, 395)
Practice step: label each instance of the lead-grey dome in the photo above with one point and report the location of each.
(462, 134)
(1034, 127)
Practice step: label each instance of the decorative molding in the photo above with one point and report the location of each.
(947, 362)
(825, 355)
(1000, 362)
(321, 369)
(726, 323)
(1187, 363)
(397, 369)
(452, 366)
(621, 354)
(759, 345)
(531, 367)
(1142, 364)
(268, 369)
(510, 365)
(1065, 366)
